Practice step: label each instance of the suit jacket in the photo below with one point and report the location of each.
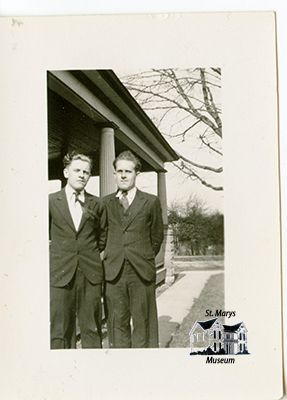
(69, 248)
(136, 237)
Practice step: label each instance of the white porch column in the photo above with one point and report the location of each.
(161, 191)
(167, 245)
(107, 156)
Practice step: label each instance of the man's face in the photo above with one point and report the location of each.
(78, 174)
(125, 174)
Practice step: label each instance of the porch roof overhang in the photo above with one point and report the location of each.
(100, 97)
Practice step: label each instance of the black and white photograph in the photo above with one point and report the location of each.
(140, 260)
(141, 228)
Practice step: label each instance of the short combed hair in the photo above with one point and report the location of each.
(128, 156)
(75, 155)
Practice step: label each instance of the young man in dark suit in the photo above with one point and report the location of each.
(76, 272)
(134, 237)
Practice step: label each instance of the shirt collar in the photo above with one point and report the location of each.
(70, 193)
(130, 194)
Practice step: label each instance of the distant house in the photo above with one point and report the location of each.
(214, 337)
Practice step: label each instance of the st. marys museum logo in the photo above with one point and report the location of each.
(213, 338)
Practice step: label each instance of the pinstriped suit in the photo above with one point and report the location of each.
(133, 240)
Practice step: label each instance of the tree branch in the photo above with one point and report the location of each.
(209, 145)
(206, 167)
(210, 107)
(193, 110)
(191, 174)
(217, 70)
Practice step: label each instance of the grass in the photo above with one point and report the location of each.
(210, 298)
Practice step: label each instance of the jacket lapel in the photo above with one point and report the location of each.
(63, 207)
(115, 207)
(135, 208)
(88, 199)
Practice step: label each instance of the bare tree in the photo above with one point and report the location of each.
(185, 106)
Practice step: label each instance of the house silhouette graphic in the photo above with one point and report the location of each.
(213, 337)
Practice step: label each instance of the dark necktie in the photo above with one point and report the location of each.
(77, 211)
(78, 200)
(124, 201)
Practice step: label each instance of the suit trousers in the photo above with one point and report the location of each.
(132, 313)
(79, 299)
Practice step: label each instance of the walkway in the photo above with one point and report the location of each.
(174, 303)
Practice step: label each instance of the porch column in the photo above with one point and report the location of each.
(107, 156)
(167, 245)
(161, 191)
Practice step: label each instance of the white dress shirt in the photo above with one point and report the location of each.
(74, 206)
